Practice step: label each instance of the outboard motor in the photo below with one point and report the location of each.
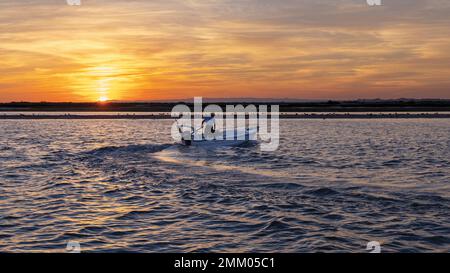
(186, 137)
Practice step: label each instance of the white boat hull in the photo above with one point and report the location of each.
(237, 138)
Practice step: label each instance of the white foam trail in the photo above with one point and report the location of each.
(175, 156)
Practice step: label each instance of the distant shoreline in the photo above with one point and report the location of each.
(284, 116)
(142, 108)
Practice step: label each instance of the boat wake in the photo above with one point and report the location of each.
(147, 148)
(209, 159)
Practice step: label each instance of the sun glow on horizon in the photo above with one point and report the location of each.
(103, 99)
(99, 82)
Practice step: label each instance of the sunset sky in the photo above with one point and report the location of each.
(168, 49)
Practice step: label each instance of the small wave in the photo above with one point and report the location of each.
(119, 234)
(392, 163)
(272, 227)
(92, 230)
(5, 236)
(427, 206)
(432, 198)
(374, 197)
(438, 240)
(53, 185)
(247, 144)
(322, 192)
(285, 186)
(135, 214)
(334, 217)
(9, 217)
(113, 192)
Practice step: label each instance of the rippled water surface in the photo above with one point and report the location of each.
(122, 185)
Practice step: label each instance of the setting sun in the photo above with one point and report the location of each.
(103, 99)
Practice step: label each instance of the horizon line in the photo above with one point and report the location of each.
(219, 100)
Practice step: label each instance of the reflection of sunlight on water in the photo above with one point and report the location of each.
(195, 157)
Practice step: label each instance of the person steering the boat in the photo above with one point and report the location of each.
(209, 123)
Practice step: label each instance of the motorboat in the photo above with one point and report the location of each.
(195, 137)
